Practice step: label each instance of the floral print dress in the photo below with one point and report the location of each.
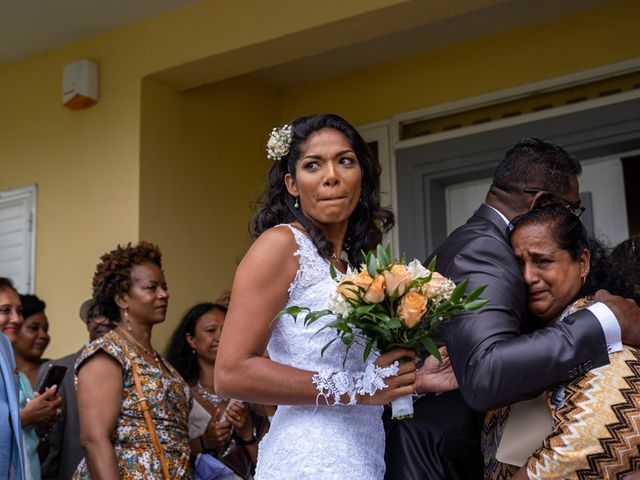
(169, 405)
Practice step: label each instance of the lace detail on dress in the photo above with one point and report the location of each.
(336, 384)
(320, 442)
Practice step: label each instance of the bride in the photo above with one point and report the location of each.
(321, 206)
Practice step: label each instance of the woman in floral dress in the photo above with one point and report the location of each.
(130, 288)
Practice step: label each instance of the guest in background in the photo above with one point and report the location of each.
(64, 453)
(37, 412)
(133, 406)
(625, 268)
(12, 463)
(235, 427)
(33, 337)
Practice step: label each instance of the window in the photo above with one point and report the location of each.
(17, 237)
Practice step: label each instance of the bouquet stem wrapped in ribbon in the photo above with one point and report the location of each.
(389, 303)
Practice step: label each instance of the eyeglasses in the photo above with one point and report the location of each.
(575, 208)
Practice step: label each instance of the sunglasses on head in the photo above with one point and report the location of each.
(575, 208)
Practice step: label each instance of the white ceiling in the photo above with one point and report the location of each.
(29, 27)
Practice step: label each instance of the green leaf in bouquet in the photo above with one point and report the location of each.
(363, 309)
(403, 258)
(378, 330)
(431, 347)
(383, 259)
(338, 324)
(382, 317)
(327, 345)
(475, 293)
(393, 324)
(332, 271)
(372, 265)
(313, 316)
(432, 264)
(367, 350)
(347, 338)
(457, 293)
(435, 322)
(293, 311)
(476, 304)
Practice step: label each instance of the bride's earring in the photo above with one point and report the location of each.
(296, 204)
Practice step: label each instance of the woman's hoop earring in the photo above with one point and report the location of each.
(296, 204)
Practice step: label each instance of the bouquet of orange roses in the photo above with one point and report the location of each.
(389, 303)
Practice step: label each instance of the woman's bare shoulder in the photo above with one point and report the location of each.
(278, 242)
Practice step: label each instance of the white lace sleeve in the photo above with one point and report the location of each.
(335, 384)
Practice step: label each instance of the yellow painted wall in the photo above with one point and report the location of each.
(86, 168)
(202, 164)
(578, 42)
(87, 164)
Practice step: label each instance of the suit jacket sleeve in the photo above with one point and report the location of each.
(495, 365)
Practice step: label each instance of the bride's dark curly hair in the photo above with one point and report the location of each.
(368, 222)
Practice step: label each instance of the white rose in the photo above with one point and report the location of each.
(417, 269)
(339, 305)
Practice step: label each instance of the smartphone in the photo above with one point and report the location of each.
(53, 376)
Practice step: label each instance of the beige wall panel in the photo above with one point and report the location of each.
(202, 165)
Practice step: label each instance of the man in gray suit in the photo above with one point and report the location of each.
(495, 360)
(64, 453)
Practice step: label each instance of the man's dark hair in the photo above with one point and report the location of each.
(534, 163)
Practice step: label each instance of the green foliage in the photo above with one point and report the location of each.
(377, 326)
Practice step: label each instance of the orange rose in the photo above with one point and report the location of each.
(375, 292)
(351, 290)
(348, 287)
(412, 307)
(438, 285)
(396, 280)
(363, 279)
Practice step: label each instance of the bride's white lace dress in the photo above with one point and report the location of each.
(318, 442)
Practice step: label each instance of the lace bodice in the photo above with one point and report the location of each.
(294, 344)
(320, 442)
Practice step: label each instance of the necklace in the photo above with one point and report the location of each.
(343, 259)
(212, 398)
(151, 353)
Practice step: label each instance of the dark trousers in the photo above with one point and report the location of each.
(441, 441)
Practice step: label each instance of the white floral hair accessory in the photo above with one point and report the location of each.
(279, 142)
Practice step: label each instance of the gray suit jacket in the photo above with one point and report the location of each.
(494, 363)
(65, 451)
